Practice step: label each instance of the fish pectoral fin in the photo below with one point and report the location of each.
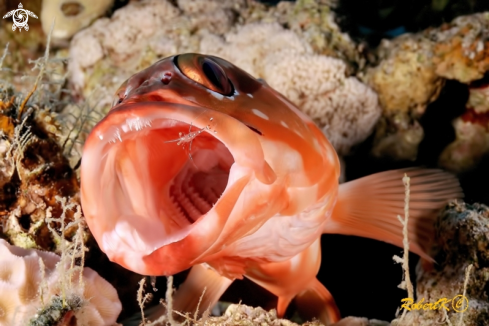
(189, 294)
(368, 207)
(200, 277)
(317, 302)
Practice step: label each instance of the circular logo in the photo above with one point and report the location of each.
(460, 303)
(20, 18)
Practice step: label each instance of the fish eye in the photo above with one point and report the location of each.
(204, 71)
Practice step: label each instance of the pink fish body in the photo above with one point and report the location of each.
(200, 165)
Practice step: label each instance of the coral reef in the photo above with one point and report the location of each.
(406, 83)
(314, 22)
(295, 47)
(39, 194)
(461, 49)
(33, 169)
(472, 133)
(462, 239)
(409, 72)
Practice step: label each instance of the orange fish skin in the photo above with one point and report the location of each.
(198, 164)
(264, 187)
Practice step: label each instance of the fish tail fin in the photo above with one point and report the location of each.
(368, 207)
(317, 302)
(191, 295)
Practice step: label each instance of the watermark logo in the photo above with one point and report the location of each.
(459, 303)
(20, 17)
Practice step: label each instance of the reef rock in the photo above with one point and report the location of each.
(462, 239)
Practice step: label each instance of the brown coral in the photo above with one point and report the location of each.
(34, 172)
(472, 133)
(461, 51)
(462, 238)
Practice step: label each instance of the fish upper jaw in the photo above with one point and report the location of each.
(152, 206)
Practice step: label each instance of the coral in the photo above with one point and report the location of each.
(32, 279)
(479, 98)
(408, 74)
(461, 51)
(250, 45)
(472, 133)
(344, 108)
(314, 22)
(242, 315)
(238, 315)
(405, 77)
(39, 152)
(406, 83)
(462, 238)
(71, 16)
(397, 136)
(109, 51)
(33, 169)
(215, 16)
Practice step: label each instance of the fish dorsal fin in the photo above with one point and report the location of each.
(368, 207)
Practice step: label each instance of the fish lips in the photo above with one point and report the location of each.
(130, 163)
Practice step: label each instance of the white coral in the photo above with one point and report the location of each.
(71, 16)
(25, 284)
(251, 44)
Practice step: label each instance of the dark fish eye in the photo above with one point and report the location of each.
(204, 71)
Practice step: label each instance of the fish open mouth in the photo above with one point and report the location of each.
(202, 164)
(182, 171)
(152, 174)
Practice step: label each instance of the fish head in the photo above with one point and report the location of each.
(194, 155)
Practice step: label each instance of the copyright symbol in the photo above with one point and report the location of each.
(460, 303)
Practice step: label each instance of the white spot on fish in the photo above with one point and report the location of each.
(260, 114)
(283, 123)
(216, 95)
(101, 137)
(250, 95)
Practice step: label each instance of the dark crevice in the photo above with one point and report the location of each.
(25, 221)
